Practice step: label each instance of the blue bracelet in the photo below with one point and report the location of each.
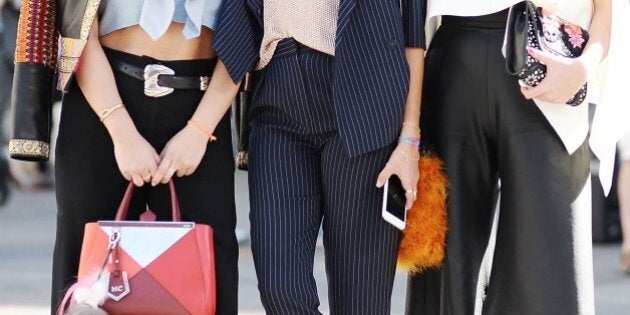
(412, 141)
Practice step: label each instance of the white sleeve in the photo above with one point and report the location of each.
(612, 116)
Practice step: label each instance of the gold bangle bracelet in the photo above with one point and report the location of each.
(411, 124)
(108, 111)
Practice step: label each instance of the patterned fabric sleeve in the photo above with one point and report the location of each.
(37, 33)
(35, 62)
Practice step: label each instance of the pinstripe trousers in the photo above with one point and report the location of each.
(301, 177)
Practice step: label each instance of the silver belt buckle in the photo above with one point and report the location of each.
(151, 86)
(203, 83)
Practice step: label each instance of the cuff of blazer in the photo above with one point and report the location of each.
(29, 150)
(414, 13)
(237, 38)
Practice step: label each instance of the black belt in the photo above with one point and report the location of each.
(160, 80)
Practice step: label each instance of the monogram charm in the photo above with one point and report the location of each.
(118, 286)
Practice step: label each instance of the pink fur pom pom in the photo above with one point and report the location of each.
(84, 309)
(91, 291)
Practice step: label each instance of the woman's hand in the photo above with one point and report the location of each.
(181, 155)
(403, 163)
(137, 160)
(564, 78)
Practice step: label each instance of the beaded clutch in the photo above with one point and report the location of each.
(531, 26)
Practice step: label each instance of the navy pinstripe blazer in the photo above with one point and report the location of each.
(371, 72)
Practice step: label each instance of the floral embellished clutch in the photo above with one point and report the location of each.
(531, 26)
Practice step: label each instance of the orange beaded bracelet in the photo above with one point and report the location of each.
(203, 128)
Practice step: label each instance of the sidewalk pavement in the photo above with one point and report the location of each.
(27, 226)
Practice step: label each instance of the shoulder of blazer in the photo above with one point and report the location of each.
(50, 27)
(73, 35)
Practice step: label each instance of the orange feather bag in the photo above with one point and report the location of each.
(424, 238)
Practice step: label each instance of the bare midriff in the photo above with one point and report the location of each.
(171, 46)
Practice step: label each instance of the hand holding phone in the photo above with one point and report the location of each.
(394, 199)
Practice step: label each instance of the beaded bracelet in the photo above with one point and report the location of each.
(203, 128)
(409, 140)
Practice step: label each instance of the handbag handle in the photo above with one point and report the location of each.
(121, 214)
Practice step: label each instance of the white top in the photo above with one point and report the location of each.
(606, 88)
(155, 16)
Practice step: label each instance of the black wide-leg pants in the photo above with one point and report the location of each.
(89, 185)
(301, 176)
(478, 122)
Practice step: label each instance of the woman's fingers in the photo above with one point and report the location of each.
(564, 77)
(126, 175)
(383, 176)
(406, 169)
(410, 198)
(140, 174)
(543, 56)
(542, 94)
(181, 156)
(137, 160)
(167, 169)
(137, 180)
(409, 184)
(156, 158)
(189, 171)
(169, 174)
(163, 171)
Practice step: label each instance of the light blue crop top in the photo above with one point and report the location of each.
(154, 16)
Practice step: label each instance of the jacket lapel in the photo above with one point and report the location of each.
(256, 6)
(345, 11)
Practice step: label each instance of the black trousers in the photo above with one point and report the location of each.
(301, 176)
(476, 119)
(90, 186)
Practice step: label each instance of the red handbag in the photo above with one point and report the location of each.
(153, 267)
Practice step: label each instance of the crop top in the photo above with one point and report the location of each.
(155, 16)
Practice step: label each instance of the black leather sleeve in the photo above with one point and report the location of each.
(31, 105)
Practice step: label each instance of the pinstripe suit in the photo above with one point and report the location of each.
(322, 129)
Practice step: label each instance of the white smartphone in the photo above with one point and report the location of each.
(394, 200)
